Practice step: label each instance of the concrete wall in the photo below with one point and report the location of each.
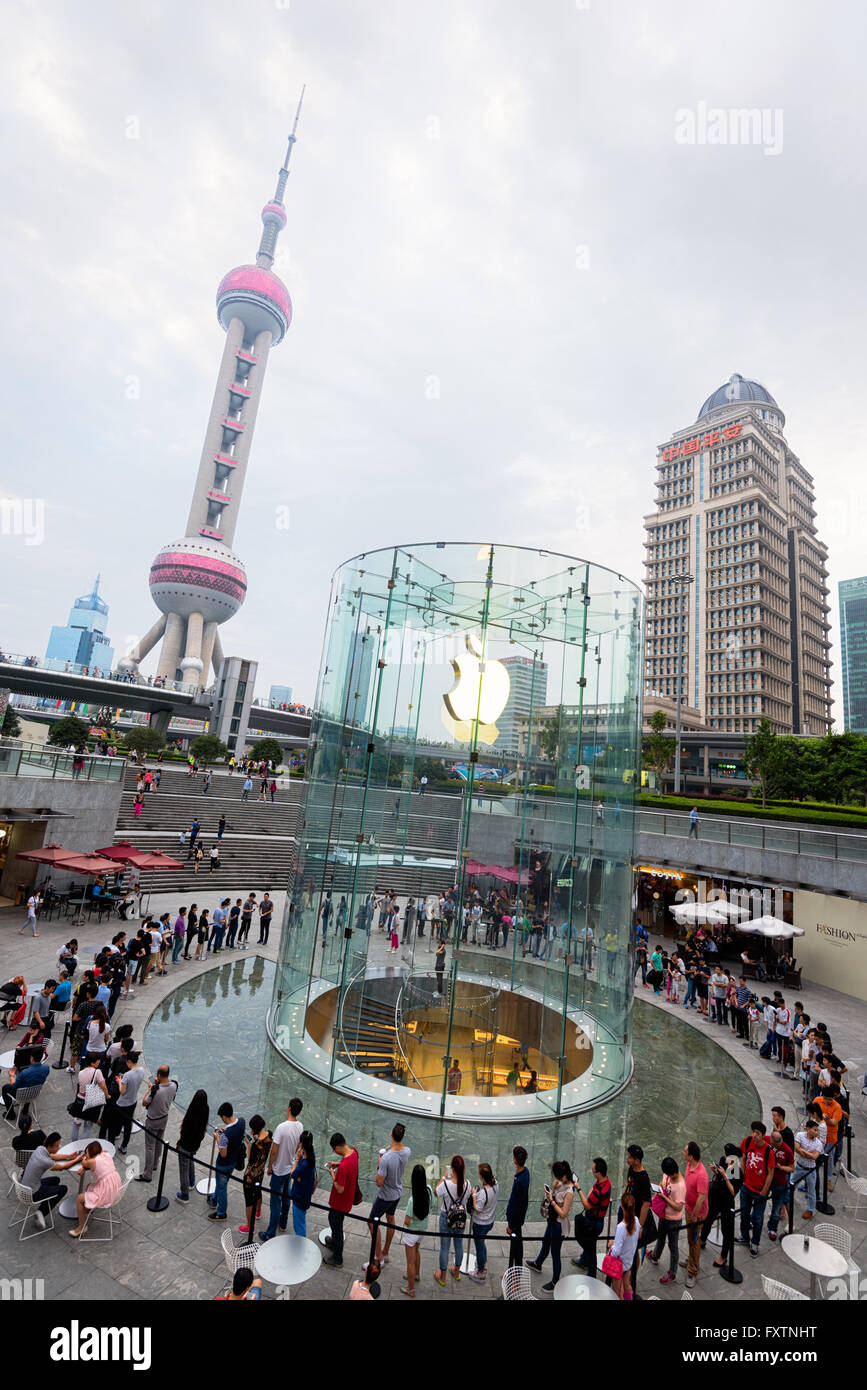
(755, 864)
(92, 810)
(833, 949)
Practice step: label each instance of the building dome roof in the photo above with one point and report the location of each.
(736, 390)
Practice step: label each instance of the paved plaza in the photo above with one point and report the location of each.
(176, 1254)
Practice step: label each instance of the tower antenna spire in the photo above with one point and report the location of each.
(274, 213)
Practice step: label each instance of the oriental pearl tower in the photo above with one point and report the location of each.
(198, 582)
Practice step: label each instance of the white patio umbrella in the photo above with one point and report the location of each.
(698, 912)
(775, 927)
(730, 911)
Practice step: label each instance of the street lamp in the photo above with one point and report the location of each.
(685, 579)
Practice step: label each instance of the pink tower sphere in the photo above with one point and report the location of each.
(258, 298)
(196, 575)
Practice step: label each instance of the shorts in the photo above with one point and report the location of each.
(252, 1192)
(410, 1239)
(383, 1208)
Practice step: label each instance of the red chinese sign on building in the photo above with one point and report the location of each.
(701, 441)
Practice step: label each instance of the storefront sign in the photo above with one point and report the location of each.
(701, 441)
(661, 873)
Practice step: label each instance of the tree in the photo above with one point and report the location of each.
(145, 740)
(269, 749)
(208, 748)
(68, 730)
(552, 737)
(658, 748)
(11, 725)
(762, 757)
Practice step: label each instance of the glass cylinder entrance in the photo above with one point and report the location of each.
(457, 935)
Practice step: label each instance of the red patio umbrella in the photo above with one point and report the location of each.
(91, 864)
(49, 854)
(125, 853)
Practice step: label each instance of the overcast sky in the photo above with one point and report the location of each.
(510, 278)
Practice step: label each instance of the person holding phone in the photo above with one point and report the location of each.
(559, 1198)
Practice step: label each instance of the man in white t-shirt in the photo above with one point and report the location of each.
(783, 1030)
(808, 1147)
(280, 1164)
(32, 904)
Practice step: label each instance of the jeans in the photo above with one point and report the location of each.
(176, 949)
(668, 1231)
(299, 1220)
(808, 1177)
(221, 1190)
(279, 1203)
(50, 1192)
(233, 931)
(588, 1229)
(335, 1222)
(446, 1237)
(479, 1235)
(718, 1206)
(264, 927)
(245, 928)
(752, 1214)
(516, 1247)
(186, 1171)
(831, 1153)
(120, 1118)
(722, 1013)
(779, 1197)
(553, 1241)
(690, 993)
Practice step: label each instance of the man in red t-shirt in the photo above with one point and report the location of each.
(344, 1181)
(695, 1208)
(757, 1170)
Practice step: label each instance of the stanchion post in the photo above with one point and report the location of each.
(207, 1184)
(825, 1206)
(60, 1064)
(728, 1272)
(159, 1202)
(849, 1146)
(252, 1226)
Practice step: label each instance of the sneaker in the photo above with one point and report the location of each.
(683, 1264)
(215, 1216)
(531, 1264)
(549, 1287)
(668, 1279)
(479, 1278)
(690, 1283)
(40, 1221)
(180, 1197)
(772, 1235)
(741, 1240)
(142, 1178)
(245, 1230)
(806, 1216)
(754, 1250)
(121, 1151)
(580, 1263)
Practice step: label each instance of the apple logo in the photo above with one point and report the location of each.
(482, 691)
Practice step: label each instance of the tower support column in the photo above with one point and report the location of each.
(173, 641)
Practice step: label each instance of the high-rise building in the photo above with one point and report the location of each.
(82, 642)
(853, 652)
(736, 575)
(528, 689)
(198, 582)
(280, 695)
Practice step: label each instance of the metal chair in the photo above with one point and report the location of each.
(238, 1256)
(30, 1208)
(517, 1285)
(25, 1099)
(104, 1215)
(841, 1240)
(15, 1161)
(859, 1187)
(686, 1296)
(782, 1292)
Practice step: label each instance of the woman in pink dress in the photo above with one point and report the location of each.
(104, 1188)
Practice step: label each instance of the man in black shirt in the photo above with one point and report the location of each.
(234, 922)
(516, 1211)
(778, 1120)
(638, 1185)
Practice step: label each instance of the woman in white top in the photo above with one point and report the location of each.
(624, 1246)
(98, 1033)
(454, 1192)
(84, 1120)
(484, 1209)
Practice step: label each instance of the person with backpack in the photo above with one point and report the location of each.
(590, 1222)
(556, 1208)
(454, 1192)
(757, 1173)
(193, 1127)
(303, 1179)
(231, 1154)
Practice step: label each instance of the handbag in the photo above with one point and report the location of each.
(93, 1094)
(613, 1266)
(658, 1204)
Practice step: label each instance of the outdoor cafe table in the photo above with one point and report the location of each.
(581, 1288)
(820, 1258)
(288, 1260)
(68, 1207)
(7, 1059)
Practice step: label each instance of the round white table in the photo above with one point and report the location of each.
(68, 1207)
(7, 1059)
(820, 1258)
(288, 1260)
(580, 1288)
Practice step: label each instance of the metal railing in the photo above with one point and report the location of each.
(38, 760)
(94, 672)
(764, 835)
